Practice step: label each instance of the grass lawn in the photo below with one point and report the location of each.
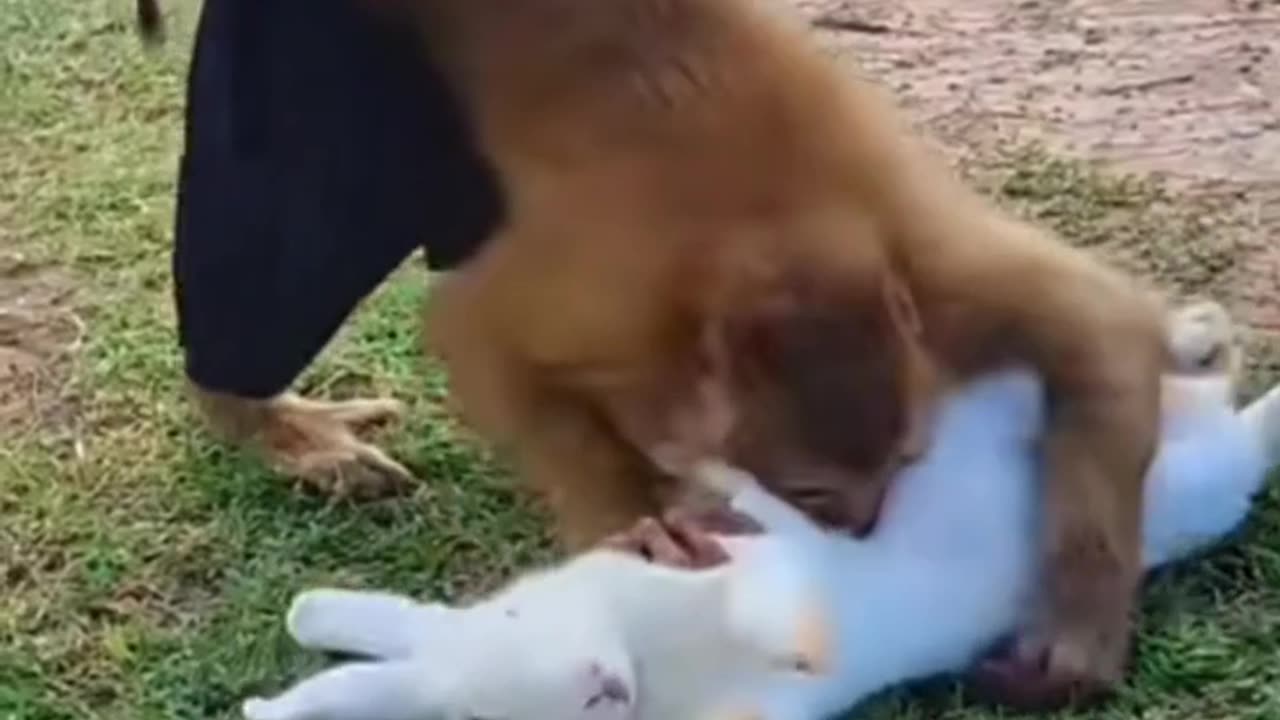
(143, 569)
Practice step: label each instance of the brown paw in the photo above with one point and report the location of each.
(315, 442)
(1038, 673)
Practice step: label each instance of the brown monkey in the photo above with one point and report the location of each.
(703, 205)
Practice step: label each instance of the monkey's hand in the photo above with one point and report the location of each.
(1043, 671)
(683, 538)
(1079, 653)
(315, 442)
(1075, 650)
(1101, 432)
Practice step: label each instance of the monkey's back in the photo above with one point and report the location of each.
(650, 149)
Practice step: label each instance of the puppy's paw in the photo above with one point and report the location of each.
(257, 708)
(309, 620)
(1202, 338)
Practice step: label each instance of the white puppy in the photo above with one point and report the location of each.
(800, 624)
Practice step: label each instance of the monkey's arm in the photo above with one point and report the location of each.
(1012, 295)
(561, 446)
(595, 484)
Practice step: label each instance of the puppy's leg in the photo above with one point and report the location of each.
(373, 624)
(312, 441)
(1206, 361)
(396, 690)
(1202, 339)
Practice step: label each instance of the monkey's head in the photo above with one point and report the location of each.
(820, 386)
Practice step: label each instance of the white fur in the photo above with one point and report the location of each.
(952, 563)
(946, 573)
(548, 643)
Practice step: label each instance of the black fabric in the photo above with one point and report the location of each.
(320, 152)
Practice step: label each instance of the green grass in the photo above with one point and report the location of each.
(143, 568)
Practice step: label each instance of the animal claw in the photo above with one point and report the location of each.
(315, 442)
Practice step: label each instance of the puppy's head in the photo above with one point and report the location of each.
(827, 385)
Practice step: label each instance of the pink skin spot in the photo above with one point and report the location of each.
(611, 689)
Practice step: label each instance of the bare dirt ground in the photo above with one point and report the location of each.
(39, 335)
(1186, 90)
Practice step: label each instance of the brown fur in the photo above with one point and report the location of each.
(313, 441)
(700, 199)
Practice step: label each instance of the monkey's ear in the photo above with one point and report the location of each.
(702, 415)
(902, 305)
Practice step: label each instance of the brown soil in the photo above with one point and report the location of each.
(39, 335)
(1186, 90)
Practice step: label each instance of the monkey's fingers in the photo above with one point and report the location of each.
(1029, 681)
(1013, 684)
(626, 542)
(652, 541)
(354, 471)
(356, 413)
(702, 550)
(1009, 682)
(662, 546)
(390, 473)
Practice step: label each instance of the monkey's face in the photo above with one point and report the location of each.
(830, 392)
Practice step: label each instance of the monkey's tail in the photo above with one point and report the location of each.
(1262, 420)
(150, 22)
